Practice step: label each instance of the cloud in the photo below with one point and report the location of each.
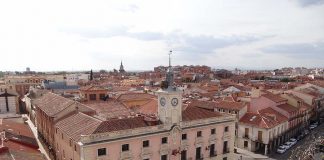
(306, 3)
(207, 44)
(177, 40)
(307, 50)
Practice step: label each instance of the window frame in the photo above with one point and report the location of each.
(166, 140)
(105, 152)
(126, 147)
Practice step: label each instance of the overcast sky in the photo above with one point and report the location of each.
(84, 35)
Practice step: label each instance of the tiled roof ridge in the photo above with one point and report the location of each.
(264, 117)
(96, 119)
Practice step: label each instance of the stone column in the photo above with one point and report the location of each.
(266, 149)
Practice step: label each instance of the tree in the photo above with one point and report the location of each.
(102, 71)
(91, 75)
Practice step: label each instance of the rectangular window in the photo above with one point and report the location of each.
(246, 133)
(146, 143)
(225, 149)
(102, 152)
(198, 153)
(184, 155)
(75, 148)
(199, 134)
(164, 157)
(260, 136)
(93, 97)
(164, 140)
(125, 147)
(213, 131)
(226, 129)
(184, 136)
(212, 152)
(246, 144)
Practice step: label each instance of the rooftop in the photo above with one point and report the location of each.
(195, 113)
(274, 97)
(109, 109)
(52, 103)
(266, 118)
(288, 108)
(77, 125)
(121, 124)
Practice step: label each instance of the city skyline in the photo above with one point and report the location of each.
(219, 34)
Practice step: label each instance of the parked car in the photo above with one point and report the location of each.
(301, 136)
(311, 127)
(286, 145)
(281, 149)
(293, 141)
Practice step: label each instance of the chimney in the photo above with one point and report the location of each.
(255, 92)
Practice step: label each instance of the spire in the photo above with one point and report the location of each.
(121, 67)
(169, 76)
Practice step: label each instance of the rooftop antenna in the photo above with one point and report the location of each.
(170, 58)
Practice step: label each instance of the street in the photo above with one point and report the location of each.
(301, 147)
(34, 130)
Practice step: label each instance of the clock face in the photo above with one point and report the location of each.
(162, 101)
(174, 101)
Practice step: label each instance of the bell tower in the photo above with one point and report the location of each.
(170, 100)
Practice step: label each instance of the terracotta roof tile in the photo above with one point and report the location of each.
(52, 103)
(194, 113)
(274, 97)
(121, 124)
(219, 104)
(230, 105)
(203, 104)
(151, 107)
(268, 118)
(287, 107)
(135, 96)
(78, 124)
(19, 136)
(109, 109)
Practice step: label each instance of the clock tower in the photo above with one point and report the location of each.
(170, 100)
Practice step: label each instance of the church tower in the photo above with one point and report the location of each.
(121, 67)
(170, 100)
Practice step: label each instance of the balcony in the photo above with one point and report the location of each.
(147, 151)
(199, 140)
(126, 155)
(164, 148)
(212, 138)
(184, 144)
(226, 135)
(246, 136)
